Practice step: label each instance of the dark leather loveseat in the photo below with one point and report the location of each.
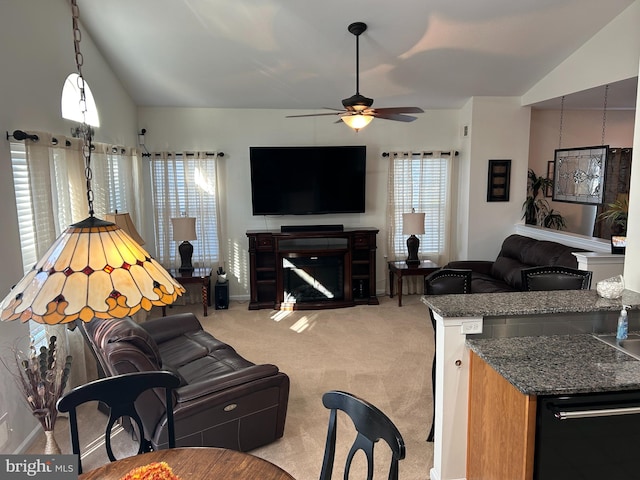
(223, 399)
(517, 252)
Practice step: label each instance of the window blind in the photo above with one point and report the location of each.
(421, 182)
(186, 185)
(23, 203)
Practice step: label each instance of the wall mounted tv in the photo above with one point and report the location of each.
(308, 180)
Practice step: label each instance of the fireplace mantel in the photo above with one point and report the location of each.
(268, 249)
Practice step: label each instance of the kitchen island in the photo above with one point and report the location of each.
(512, 314)
(563, 404)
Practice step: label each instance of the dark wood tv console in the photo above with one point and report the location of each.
(312, 269)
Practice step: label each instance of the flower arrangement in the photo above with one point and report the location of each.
(152, 471)
(41, 379)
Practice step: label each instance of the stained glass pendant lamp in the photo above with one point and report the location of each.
(94, 269)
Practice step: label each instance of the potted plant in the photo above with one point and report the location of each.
(616, 215)
(555, 220)
(535, 206)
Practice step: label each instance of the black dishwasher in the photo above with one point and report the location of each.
(592, 436)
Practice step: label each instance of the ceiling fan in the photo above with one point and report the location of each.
(358, 112)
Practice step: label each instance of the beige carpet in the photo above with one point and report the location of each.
(380, 353)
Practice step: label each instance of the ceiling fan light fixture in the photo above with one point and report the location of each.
(357, 121)
(357, 111)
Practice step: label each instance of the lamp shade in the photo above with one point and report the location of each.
(184, 228)
(93, 269)
(357, 121)
(123, 220)
(413, 223)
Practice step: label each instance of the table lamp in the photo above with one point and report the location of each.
(184, 229)
(412, 225)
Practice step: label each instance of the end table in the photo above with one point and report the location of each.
(400, 269)
(198, 275)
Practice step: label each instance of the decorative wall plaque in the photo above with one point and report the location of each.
(498, 180)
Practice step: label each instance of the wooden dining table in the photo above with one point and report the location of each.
(195, 463)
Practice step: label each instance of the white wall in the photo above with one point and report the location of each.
(460, 230)
(36, 51)
(233, 131)
(579, 128)
(499, 131)
(632, 257)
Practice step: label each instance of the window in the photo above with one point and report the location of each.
(186, 185)
(71, 102)
(419, 181)
(23, 204)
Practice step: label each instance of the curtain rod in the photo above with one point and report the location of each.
(456, 153)
(21, 135)
(188, 154)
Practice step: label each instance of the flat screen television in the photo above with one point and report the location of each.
(308, 180)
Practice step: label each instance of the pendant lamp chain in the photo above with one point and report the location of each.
(85, 129)
(604, 112)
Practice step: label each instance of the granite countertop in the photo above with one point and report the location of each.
(527, 303)
(559, 364)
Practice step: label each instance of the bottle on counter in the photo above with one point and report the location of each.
(623, 324)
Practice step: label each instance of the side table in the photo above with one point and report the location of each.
(400, 269)
(198, 275)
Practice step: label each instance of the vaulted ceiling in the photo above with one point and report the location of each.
(298, 54)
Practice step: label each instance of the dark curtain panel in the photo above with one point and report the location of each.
(617, 180)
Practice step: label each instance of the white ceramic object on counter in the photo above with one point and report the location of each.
(611, 287)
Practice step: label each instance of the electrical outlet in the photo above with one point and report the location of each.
(470, 327)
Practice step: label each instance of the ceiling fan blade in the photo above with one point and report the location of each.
(338, 112)
(393, 116)
(399, 110)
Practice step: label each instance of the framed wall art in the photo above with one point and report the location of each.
(579, 175)
(499, 179)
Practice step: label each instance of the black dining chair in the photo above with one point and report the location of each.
(443, 282)
(371, 425)
(119, 393)
(551, 277)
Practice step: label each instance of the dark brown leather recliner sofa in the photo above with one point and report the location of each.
(518, 252)
(223, 399)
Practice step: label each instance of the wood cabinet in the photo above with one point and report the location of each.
(337, 268)
(501, 428)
